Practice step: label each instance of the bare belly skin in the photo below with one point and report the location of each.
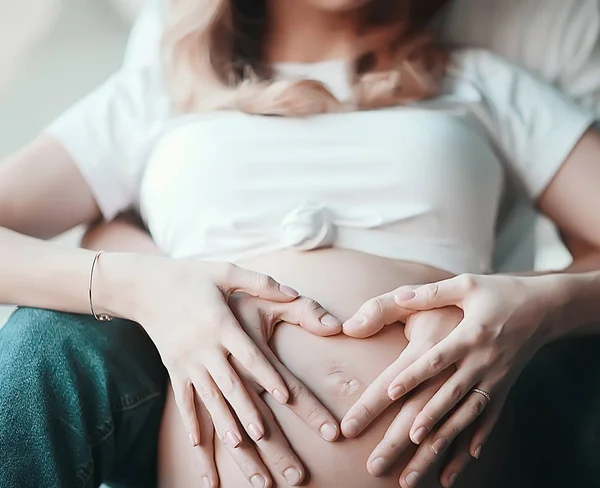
(337, 370)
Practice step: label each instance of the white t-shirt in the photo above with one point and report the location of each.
(420, 183)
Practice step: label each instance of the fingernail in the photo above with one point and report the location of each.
(350, 428)
(329, 432)
(452, 479)
(288, 291)
(404, 296)
(193, 440)
(330, 321)
(412, 478)
(439, 445)
(378, 466)
(255, 433)
(355, 321)
(477, 452)
(233, 438)
(258, 481)
(419, 435)
(396, 392)
(280, 397)
(206, 482)
(292, 476)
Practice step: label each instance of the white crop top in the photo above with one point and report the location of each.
(420, 183)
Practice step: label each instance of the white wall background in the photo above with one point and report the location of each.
(82, 48)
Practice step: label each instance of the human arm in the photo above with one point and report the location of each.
(258, 317)
(508, 318)
(181, 304)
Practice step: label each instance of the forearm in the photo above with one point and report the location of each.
(578, 296)
(574, 296)
(41, 274)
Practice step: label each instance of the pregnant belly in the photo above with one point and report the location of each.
(337, 370)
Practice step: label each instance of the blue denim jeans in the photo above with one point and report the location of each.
(80, 402)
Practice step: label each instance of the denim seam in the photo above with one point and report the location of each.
(84, 473)
(130, 403)
(100, 434)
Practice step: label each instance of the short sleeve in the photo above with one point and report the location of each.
(106, 132)
(534, 124)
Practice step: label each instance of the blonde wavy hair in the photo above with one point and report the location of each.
(212, 51)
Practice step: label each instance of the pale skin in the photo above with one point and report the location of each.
(42, 194)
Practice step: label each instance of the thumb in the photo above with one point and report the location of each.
(309, 315)
(374, 315)
(235, 279)
(433, 295)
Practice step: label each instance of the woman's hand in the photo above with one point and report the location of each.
(182, 304)
(259, 317)
(501, 330)
(423, 330)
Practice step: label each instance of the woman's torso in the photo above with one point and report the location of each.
(420, 183)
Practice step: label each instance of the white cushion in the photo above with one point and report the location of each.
(559, 40)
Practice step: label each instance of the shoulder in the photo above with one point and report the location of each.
(481, 63)
(504, 84)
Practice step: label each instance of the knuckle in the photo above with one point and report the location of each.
(432, 291)
(457, 392)
(453, 431)
(264, 281)
(392, 445)
(296, 392)
(208, 394)
(212, 320)
(467, 282)
(227, 271)
(436, 362)
(372, 307)
(278, 457)
(364, 411)
(478, 407)
(310, 306)
(313, 414)
(250, 359)
(229, 384)
(246, 466)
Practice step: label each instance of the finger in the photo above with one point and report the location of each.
(210, 395)
(457, 464)
(440, 357)
(205, 454)
(309, 315)
(233, 278)
(396, 438)
(236, 395)
(250, 464)
(374, 315)
(275, 451)
(375, 398)
(184, 398)
(488, 421)
(247, 353)
(429, 452)
(306, 406)
(447, 397)
(436, 295)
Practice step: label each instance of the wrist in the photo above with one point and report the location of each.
(558, 292)
(116, 284)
